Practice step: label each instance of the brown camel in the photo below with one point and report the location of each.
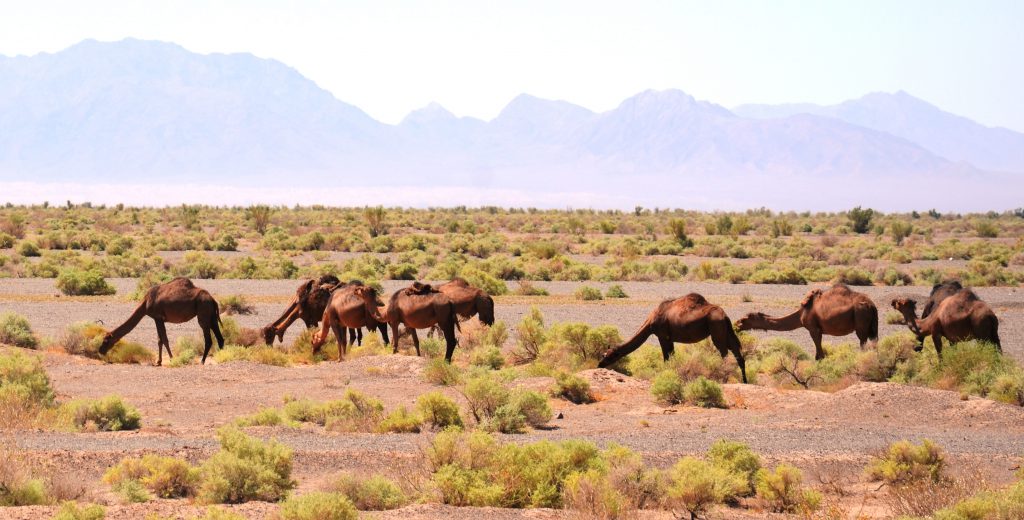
(420, 307)
(176, 301)
(469, 300)
(837, 312)
(957, 318)
(684, 320)
(940, 292)
(350, 307)
(308, 304)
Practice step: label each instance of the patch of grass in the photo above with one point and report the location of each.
(487, 357)
(573, 388)
(236, 304)
(84, 338)
(264, 417)
(107, 414)
(440, 372)
(704, 393)
(615, 291)
(375, 493)
(782, 490)
(695, 486)
(588, 293)
(667, 387)
(438, 410)
(400, 420)
(74, 282)
(165, 477)
(894, 317)
(526, 288)
(71, 511)
(318, 505)
(23, 379)
(263, 355)
(903, 462)
(129, 353)
(245, 469)
(15, 330)
(738, 459)
(186, 351)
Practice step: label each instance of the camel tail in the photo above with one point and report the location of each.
(873, 324)
(630, 345)
(995, 333)
(455, 317)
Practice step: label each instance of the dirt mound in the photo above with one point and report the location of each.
(924, 405)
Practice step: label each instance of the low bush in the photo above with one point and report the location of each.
(695, 486)
(264, 417)
(73, 282)
(16, 331)
(28, 248)
(1005, 504)
(667, 387)
(533, 406)
(236, 304)
(165, 477)
(107, 414)
(903, 462)
(17, 486)
(782, 490)
(400, 420)
(438, 410)
(738, 459)
(588, 293)
(245, 469)
(23, 380)
(375, 493)
(592, 495)
(440, 372)
(573, 388)
(84, 339)
(704, 393)
(318, 505)
(487, 357)
(262, 354)
(615, 291)
(71, 511)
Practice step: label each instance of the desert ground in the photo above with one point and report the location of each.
(830, 436)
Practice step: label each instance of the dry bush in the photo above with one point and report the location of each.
(925, 497)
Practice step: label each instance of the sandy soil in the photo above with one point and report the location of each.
(829, 435)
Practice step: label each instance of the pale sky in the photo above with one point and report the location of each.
(473, 57)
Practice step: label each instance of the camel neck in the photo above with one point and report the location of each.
(129, 324)
(788, 322)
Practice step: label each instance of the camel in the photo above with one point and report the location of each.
(959, 317)
(308, 304)
(940, 291)
(350, 307)
(469, 300)
(419, 307)
(684, 320)
(837, 311)
(176, 301)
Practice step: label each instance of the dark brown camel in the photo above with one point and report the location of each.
(350, 307)
(420, 307)
(684, 320)
(837, 311)
(308, 304)
(469, 301)
(940, 292)
(957, 318)
(176, 301)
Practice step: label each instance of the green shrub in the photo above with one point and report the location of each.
(588, 293)
(73, 282)
(695, 486)
(16, 492)
(704, 393)
(15, 330)
(165, 477)
(615, 291)
(215, 513)
(1008, 388)
(108, 414)
(1006, 504)
(133, 492)
(129, 353)
(262, 354)
(23, 378)
(667, 387)
(781, 489)
(592, 495)
(28, 248)
(245, 469)
(6, 240)
(375, 493)
(236, 304)
(860, 219)
(738, 459)
(506, 419)
(485, 394)
(488, 357)
(533, 406)
(71, 511)
(186, 351)
(573, 388)
(438, 410)
(440, 372)
(903, 462)
(400, 420)
(264, 417)
(318, 505)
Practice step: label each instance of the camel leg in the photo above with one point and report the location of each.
(216, 332)
(161, 333)
(359, 335)
(667, 347)
(450, 339)
(383, 328)
(819, 353)
(339, 334)
(415, 340)
(937, 339)
(207, 342)
(394, 335)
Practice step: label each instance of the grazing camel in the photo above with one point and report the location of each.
(351, 307)
(940, 292)
(176, 301)
(469, 300)
(957, 318)
(684, 320)
(308, 304)
(837, 311)
(419, 307)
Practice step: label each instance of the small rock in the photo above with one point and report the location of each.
(559, 416)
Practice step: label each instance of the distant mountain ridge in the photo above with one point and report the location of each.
(144, 112)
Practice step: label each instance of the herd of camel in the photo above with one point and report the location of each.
(951, 312)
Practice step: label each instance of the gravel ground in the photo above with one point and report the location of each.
(823, 433)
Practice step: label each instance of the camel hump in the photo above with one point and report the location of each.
(695, 299)
(809, 298)
(968, 295)
(328, 279)
(459, 282)
(420, 289)
(182, 281)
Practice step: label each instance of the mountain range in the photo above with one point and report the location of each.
(234, 128)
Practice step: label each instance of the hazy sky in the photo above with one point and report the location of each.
(474, 56)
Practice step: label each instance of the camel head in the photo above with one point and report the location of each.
(317, 340)
(372, 300)
(905, 305)
(108, 343)
(268, 333)
(754, 320)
